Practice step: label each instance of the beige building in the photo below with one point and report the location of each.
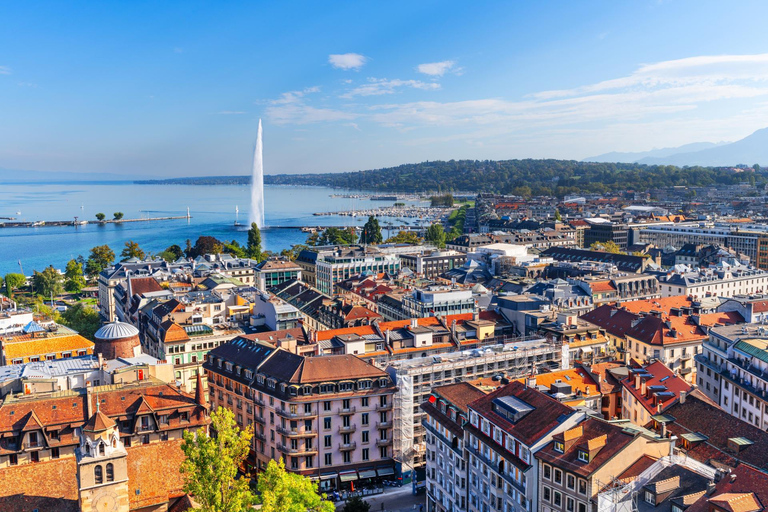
(329, 418)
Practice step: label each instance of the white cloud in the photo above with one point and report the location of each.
(291, 108)
(5, 70)
(436, 68)
(347, 61)
(379, 86)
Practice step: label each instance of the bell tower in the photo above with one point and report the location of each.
(102, 466)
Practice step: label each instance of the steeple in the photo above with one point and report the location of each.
(199, 393)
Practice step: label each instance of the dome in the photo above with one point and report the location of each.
(116, 330)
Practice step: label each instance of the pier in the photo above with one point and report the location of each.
(59, 223)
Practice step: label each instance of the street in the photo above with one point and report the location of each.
(394, 499)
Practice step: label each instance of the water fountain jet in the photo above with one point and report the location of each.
(257, 184)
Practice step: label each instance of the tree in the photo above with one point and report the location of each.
(73, 277)
(608, 246)
(132, 250)
(47, 282)
(435, 235)
(235, 249)
(100, 258)
(558, 217)
(371, 232)
(313, 239)
(13, 282)
(254, 242)
(404, 237)
(206, 245)
(82, 319)
(356, 504)
(281, 491)
(211, 465)
(337, 236)
(100, 217)
(118, 215)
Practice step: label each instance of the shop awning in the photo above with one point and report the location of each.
(367, 473)
(586, 350)
(328, 476)
(348, 476)
(385, 471)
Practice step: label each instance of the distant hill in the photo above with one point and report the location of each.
(747, 151)
(19, 176)
(618, 156)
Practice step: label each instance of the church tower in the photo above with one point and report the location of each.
(102, 466)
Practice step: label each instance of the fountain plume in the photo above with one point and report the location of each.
(257, 184)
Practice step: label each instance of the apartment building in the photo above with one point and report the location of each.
(445, 414)
(581, 461)
(330, 418)
(506, 430)
(432, 264)
(650, 390)
(733, 371)
(415, 378)
(722, 281)
(438, 300)
(323, 267)
(66, 450)
(602, 231)
(743, 238)
(274, 271)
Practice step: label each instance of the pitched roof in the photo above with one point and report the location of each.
(142, 285)
(731, 492)
(662, 377)
(546, 415)
(99, 422)
(173, 332)
(460, 394)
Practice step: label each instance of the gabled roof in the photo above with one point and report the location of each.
(743, 490)
(32, 423)
(662, 377)
(99, 422)
(142, 285)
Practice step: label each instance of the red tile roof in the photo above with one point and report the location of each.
(672, 382)
(142, 285)
(742, 480)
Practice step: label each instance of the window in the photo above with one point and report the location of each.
(13, 459)
(650, 498)
(54, 453)
(365, 418)
(364, 402)
(97, 476)
(365, 454)
(327, 423)
(365, 436)
(326, 406)
(583, 456)
(558, 498)
(547, 472)
(327, 441)
(547, 494)
(559, 446)
(110, 472)
(346, 457)
(558, 476)
(34, 456)
(570, 481)
(569, 504)
(328, 459)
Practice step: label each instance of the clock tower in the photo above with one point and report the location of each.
(102, 467)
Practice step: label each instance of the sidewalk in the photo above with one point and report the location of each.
(394, 499)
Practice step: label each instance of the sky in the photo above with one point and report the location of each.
(176, 88)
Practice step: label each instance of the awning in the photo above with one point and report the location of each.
(367, 473)
(314, 478)
(348, 476)
(328, 476)
(586, 350)
(385, 471)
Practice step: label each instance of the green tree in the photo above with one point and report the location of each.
(73, 277)
(13, 282)
(100, 258)
(313, 239)
(235, 249)
(445, 201)
(281, 491)
(356, 504)
(175, 250)
(337, 236)
(371, 232)
(435, 235)
(100, 216)
(608, 246)
(254, 242)
(82, 319)
(118, 215)
(558, 217)
(47, 282)
(405, 237)
(211, 465)
(132, 250)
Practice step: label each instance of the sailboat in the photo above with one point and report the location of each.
(237, 213)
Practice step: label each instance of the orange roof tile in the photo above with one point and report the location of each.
(24, 347)
(576, 377)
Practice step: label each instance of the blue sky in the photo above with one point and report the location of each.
(177, 88)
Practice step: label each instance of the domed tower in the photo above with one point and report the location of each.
(102, 466)
(117, 339)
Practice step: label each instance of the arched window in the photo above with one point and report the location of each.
(87, 449)
(114, 442)
(110, 472)
(101, 449)
(97, 476)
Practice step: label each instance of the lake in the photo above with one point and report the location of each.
(212, 210)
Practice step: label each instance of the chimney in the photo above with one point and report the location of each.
(414, 323)
(643, 388)
(710, 488)
(637, 381)
(388, 341)
(531, 381)
(683, 394)
(88, 397)
(663, 430)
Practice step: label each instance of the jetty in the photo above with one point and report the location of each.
(59, 223)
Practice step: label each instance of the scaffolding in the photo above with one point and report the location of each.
(403, 421)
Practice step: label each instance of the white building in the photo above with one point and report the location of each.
(723, 281)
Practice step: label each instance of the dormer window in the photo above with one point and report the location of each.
(583, 456)
(248, 374)
(650, 498)
(228, 366)
(559, 446)
(382, 383)
(364, 384)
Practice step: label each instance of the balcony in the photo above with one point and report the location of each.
(348, 429)
(686, 356)
(384, 424)
(258, 401)
(300, 450)
(259, 436)
(260, 419)
(347, 447)
(685, 371)
(299, 413)
(295, 432)
(383, 442)
(347, 410)
(384, 407)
